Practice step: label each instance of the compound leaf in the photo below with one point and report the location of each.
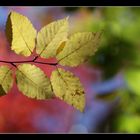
(50, 37)
(78, 48)
(67, 87)
(20, 33)
(6, 80)
(33, 82)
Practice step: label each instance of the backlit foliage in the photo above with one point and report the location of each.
(51, 41)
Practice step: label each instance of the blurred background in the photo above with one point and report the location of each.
(111, 77)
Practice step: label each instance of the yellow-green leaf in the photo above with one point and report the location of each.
(33, 82)
(50, 37)
(78, 48)
(20, 33)
(67, 87)
(6, 80)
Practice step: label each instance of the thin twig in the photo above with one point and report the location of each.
(53, 64)
(28, 61)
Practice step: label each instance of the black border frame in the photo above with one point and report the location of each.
(70, 3)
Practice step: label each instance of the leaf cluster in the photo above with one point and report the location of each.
(52, 41)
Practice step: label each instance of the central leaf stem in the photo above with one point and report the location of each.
(28, 61)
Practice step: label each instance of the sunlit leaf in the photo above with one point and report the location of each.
(20, 33)
(78, 48)
(52, 41)
(6, 80)
(68, 88)
(50, 37)
(32, 82)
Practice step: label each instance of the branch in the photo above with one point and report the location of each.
(28, 61)
(52, 64)
(10, 62)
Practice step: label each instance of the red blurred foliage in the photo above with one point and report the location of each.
(17, 113)
(17, 110)
(3, 46)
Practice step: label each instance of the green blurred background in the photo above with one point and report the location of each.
(119, 53)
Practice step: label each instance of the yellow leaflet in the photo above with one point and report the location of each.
(6, 80)
(20, 33)
(50, 37)
(33, 82)
(78, 48)
(68, 88)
